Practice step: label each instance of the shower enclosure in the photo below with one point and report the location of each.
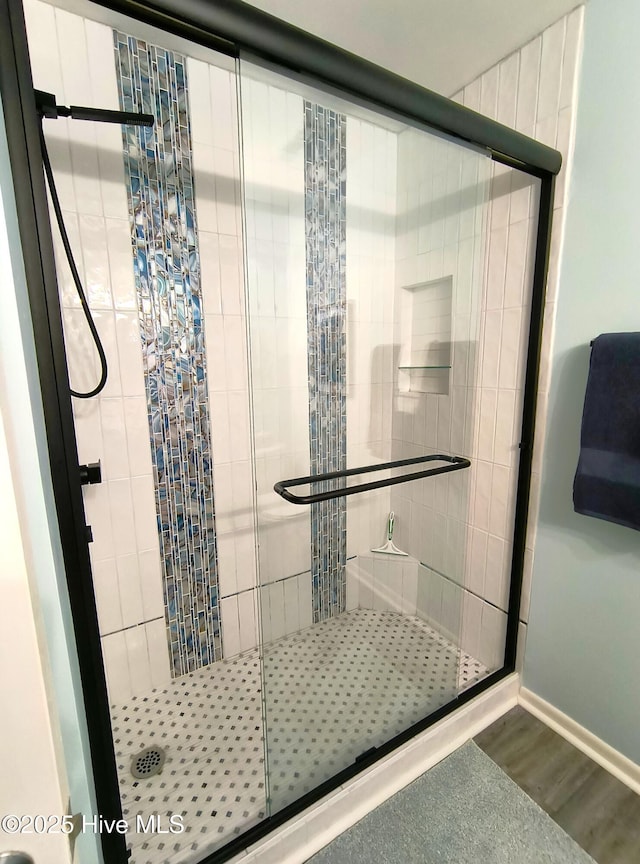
(302, 299)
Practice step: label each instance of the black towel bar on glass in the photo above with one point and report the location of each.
(454, 463)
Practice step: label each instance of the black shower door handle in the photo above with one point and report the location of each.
(454, 463)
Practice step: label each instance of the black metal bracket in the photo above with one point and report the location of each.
(454, 463)
(47, 108)
(90, 474)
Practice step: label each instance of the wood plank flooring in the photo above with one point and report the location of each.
(597, 810)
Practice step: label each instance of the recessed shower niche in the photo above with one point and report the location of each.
(426, 320)
(288, 283)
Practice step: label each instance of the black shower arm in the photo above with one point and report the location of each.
(47, 108)
(454, 463)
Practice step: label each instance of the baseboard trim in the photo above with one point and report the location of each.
(303, 836)
(627, 771)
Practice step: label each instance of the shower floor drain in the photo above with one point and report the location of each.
(147, 762)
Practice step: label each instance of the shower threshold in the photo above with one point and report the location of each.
(332, 692)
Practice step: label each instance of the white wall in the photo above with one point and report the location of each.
(370, 265)
(436, 44)
(27, 727)
(274, 177)
(442, 192)
(532, 91)
(214, 132)
(113, 427)
(273, 154)
(78, 66)
(460, 525)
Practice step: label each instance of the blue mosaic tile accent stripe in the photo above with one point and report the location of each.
(167, 273)
(325, 232)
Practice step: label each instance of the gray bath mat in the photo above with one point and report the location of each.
(465, 810)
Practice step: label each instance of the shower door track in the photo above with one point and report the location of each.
(232, 27)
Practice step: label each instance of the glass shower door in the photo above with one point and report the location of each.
(364, 245)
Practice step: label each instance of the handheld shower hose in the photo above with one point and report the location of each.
(47, 107)
(74, 274)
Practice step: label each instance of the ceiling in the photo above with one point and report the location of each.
(440, 44)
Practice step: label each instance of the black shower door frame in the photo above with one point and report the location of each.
(233, 28)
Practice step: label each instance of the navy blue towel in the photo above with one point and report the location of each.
(607, 482)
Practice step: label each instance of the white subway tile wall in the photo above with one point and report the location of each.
(214, 119)
(274, 163)
(66, 53)
(440, 228)
(275, 258)
(536, 95)
(371, 250)
(546, 71)
(383, 582)
(114, 426)
(399, 233)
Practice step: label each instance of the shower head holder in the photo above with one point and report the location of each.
(50, 110)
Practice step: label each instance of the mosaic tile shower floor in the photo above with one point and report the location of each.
(334, 690)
